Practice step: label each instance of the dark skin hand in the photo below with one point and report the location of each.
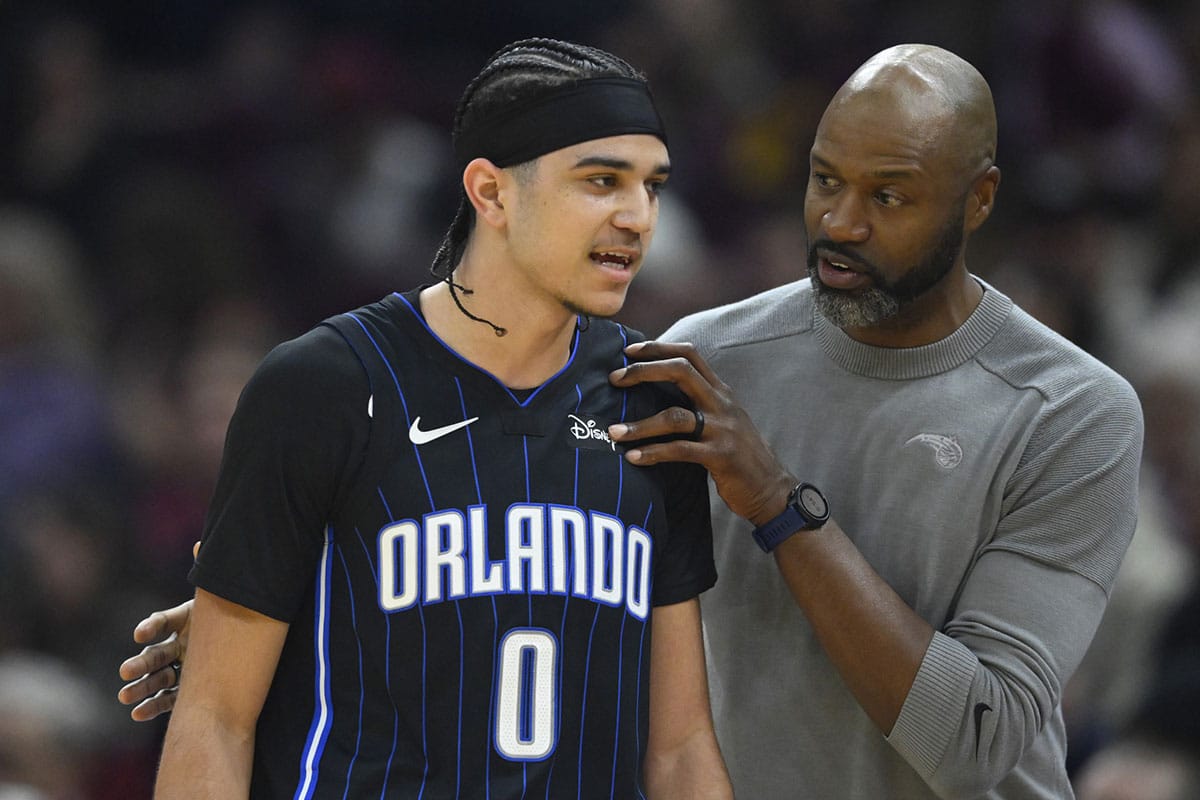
(747, 475)
(869, 633)
(152, 682)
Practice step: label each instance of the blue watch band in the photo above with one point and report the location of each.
(806, 510)
(790, 522)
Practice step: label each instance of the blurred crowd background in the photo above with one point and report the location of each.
(185, 183)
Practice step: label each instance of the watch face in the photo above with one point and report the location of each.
(813, 502)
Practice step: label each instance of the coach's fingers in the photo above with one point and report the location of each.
(148, 685)
(665, 351)
(645, 455)
(674, 422)
(163, 623)
(153, 658)
(161, 703)
(678, 371)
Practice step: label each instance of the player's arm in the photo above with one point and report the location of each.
(682, 757)
(209, 746)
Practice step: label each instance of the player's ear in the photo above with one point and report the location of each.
(485, 185)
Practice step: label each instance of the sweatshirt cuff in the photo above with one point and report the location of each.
(934, 705)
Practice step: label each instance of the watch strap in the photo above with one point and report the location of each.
(773, 533)
(795, 517)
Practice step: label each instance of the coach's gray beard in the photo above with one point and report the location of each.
(861, 310)
(883, 302)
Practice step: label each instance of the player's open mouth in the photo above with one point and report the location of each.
(613, 259)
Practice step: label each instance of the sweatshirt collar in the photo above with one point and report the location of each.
(917, 362)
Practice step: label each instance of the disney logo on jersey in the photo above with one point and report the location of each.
(588, 432)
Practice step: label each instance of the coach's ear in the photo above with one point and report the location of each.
(485, 185)
(981, 199)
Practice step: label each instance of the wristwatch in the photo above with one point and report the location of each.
(806, 510)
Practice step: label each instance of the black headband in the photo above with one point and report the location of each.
(591, 108)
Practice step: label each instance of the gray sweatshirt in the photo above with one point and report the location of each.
(990, 478)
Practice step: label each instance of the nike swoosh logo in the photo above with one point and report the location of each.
(980, 710)
(418, 436)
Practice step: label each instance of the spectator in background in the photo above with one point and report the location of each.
(54, 730)
(1156, 754)
(53, 416)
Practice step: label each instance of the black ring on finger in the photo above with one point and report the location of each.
(177, 668)
(697, 431)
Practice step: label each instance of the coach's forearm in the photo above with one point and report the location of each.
(204, 760)
(873, 638)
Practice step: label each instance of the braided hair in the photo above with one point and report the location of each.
(514, 73)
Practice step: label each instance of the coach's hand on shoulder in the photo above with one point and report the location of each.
(716, 432)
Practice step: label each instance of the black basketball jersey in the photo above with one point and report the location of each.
(468, 572)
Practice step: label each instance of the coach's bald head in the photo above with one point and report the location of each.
(935, 95)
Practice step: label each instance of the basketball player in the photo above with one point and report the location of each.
(427, 571)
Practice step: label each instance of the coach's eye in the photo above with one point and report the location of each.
(824, 181)
(888, 199)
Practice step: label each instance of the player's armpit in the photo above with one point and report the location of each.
(682, 756)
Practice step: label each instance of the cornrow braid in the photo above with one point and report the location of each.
(514, 73)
